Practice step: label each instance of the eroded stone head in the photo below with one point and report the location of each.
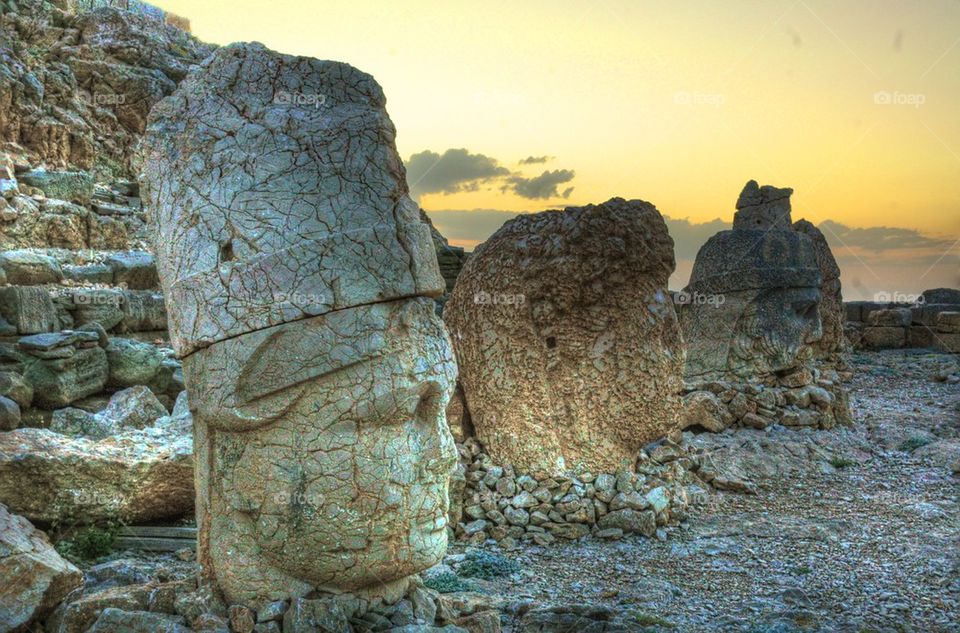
(569, 349)
(297, 275)
(752, 304)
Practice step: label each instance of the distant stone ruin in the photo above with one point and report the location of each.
(569, 350)
(761, 307)
(298, 275)
(928, 321)
(752, 305)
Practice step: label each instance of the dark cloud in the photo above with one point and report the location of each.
(689, 236)
(540, 187)
(879, 238)
(535, 160)
(470, 225)
(456, 170)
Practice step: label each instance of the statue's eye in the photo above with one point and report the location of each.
(806, 310)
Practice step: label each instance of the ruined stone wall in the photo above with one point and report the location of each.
(928, 322)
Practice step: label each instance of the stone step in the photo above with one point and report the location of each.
(156, 538)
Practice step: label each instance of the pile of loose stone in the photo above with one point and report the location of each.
(509, 507)
(809, 398)
(128, 594)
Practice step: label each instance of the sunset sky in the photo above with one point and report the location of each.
(507, 107)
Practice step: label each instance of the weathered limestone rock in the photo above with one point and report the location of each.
(704, 409)
(831, 308)
(33, 576)
(27, 268)
(13, 386)
(569, 349)
(64, 185)
(134, 408)
(9, 414)
(84, 103)
(135, 270)
(763, 208)
(132, 362)
(138, 475)
(297, 274)
(28, 310)
(752, 305)
(63, 367)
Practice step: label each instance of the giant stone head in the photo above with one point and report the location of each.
(297, 275)
(752, 305)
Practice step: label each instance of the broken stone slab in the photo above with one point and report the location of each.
(97, 305)
(884, 337)
(136, 270)
(28, 268)
(28, 309)
(134, 408)
(64, 185)
(53, 340)
(58, 382)
(34, 578)
(138, 475)
(948, 322)
(927, 313)
(143, 311)
(88, 273)
(114, 620)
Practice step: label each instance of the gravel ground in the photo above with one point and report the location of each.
(850, 529)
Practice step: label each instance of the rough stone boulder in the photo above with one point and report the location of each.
(63, 367)
(569, 349)
(763, 208)
(33, 576)
(137, 475)
(134, 408)
(941, 295)
(298, 277)
(751, 308)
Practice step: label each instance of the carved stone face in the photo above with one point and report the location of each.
(775, 331)
(752, 306)
(338, 481)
